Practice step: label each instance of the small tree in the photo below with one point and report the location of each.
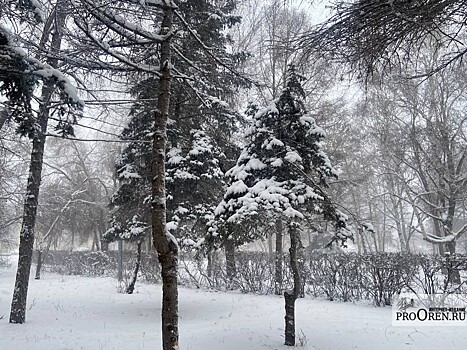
(282, 169)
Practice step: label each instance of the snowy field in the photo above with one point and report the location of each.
(69, 312)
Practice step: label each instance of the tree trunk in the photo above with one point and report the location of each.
(95, 241)
(230, 266)
(357, 242)
(209, 266)
(453, 269)
(131, 286)
(39, 264)
(270, 246)
(43, 254)
(72, 245)
(278, 258)
(103, 246)
(3, 117)
(120, 260)
(26, 244)
(291, 295)
(164, 243)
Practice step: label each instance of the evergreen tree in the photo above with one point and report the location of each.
(194, 184)
(199, 130)
(283, 169)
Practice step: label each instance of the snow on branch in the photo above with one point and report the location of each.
(119, 57)
(12, 53)
(454, 236)
(47, 72)
(121, 26)
(162, 4)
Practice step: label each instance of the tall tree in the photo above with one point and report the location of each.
(35, 126)
(164, 242)
(199, 135)
(268, 32)
(161, 57)
(282, 169)
(431, 151)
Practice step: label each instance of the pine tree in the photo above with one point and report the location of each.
(282, 169)
(194, 184)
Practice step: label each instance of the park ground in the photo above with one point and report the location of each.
(72, 312)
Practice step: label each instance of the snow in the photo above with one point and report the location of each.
(128, 174)
(307, 120)
(238, 187)
(293, 157)
(161, 3)
(70, 312)
(38, 10)
(136, 231)
(172, 239)
(255, 164)
(277, 162)
(47, 72)
(174, 156)
(215, 100)
(269, 144)
(171, 226)
(181, 210)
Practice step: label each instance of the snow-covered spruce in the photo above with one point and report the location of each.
(283, 170)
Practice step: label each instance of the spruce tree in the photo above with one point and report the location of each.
(282, 169)
(200, 126)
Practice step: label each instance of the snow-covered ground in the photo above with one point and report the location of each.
(69, 312)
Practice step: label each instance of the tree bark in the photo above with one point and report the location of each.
(291, 295)
(26, 245)
(209, 265)
(164, 243)
(39, 264)
(278, 258)
(3, 118)
(131, 286)
(453, 269)
(120, 260)
(230, 267)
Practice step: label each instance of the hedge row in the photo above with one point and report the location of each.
(336, 276)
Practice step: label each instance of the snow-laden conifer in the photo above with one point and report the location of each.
(284, 170)
(283, 167)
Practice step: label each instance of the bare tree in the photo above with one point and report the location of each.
(423, 155)
(373, 34)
